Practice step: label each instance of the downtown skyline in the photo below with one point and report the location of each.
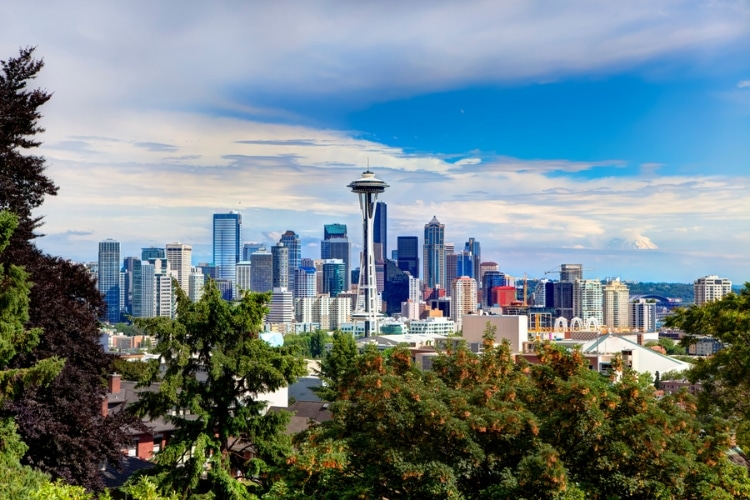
(611, 135)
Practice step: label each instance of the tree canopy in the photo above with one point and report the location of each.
(61, 423)
(217, 371)
(724, 376)
(485, 426)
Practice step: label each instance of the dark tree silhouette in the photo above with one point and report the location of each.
(62, 422)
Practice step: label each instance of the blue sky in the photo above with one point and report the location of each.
(616, 135)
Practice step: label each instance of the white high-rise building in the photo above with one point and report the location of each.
(305, 282)
(415, 290)
(180, 258)
(587, 300)
(616, 310)
(242, 279)
(281, 308)
(710, 288)
(196, 280)
(463, 299)
(643, 316)
(165, 298)
(329, 312)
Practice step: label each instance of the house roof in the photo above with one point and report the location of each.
(303, 412)
(115, 477)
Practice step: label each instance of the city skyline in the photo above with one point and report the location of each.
(614, 135)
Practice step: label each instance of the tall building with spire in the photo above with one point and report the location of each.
(227, 234)
(108, 279)
(433, 254)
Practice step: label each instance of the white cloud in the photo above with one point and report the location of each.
(291, 177)
(744, 84)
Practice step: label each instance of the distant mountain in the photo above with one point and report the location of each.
(639, 243)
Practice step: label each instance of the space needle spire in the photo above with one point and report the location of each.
(367, 188)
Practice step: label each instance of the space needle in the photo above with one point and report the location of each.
(367, 188)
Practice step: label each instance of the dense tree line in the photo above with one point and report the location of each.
(485, 426)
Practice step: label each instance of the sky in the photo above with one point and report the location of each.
(611, 134)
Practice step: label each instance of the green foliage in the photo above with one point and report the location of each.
(16, 480)
(725, 376)
(135, 370)
(216, 366)
(309, 345)
(486, 426)
(129, 330)
(14, 313)
(336, 367)
(682, 291)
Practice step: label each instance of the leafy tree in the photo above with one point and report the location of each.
(336, 368)
(134, 370)
(129, 330)
(485, 426)
(725, 376)
(61, 423)
(318, 341)
(216, 368)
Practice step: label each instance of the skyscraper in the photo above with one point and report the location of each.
(149, 253)
(380, 231)
(108, 280)
(335, 245)
(710, 288)
(128, 265)
(242, 281)
(227, 229)
(180, 258)
(280, 256)
(250, 248)
(261, 271)
(475, 250)
(144, 289)
(587, 300)
(433, 254)
(334, 277)
(408, 254)
(291, 241)
(306, 282)
(463, 299)
(616, 310)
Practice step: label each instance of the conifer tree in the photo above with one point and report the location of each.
(217, 369)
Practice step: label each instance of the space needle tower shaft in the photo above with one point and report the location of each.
(367, 188)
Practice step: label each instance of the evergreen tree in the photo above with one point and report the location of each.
(217, 367)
